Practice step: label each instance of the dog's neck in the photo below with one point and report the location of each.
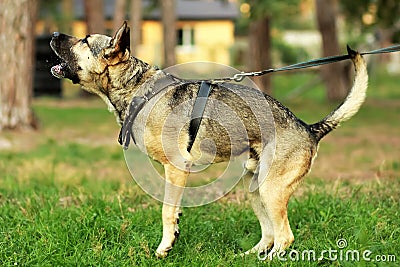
(123, 85)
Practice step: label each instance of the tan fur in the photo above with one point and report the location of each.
(104, 66)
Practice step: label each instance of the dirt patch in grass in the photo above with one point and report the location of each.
(366, 154)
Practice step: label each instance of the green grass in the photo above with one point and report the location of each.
(67, 198)
(47, 224)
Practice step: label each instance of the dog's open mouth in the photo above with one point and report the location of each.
(58, 70)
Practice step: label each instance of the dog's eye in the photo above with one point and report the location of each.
(85, 40)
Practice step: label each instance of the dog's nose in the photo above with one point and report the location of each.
(56, 34)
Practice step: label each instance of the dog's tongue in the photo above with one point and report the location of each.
(58, 71)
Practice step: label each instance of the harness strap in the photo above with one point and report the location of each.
(198, 111)
(137, 104)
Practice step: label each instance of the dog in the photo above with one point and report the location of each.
(104, 66)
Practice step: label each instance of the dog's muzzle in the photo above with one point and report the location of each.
(61, 45)
(58, 70)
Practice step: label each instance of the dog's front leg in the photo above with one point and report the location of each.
(175, 183)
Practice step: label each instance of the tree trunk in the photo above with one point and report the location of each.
(94, 10)
(67, 16)
(94, 13)
(260, 52)
(136, 24)
(335, 75)
(168, 15)
(119, 14)
(385, 38)
(17, 39)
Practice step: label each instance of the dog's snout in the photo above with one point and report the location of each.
(61, 37)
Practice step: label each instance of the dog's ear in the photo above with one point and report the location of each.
(121, 41)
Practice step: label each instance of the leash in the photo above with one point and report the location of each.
(238, 77)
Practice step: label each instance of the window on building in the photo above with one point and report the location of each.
(185, 37)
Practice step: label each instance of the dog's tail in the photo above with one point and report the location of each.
(353, 100)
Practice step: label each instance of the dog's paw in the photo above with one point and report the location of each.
(162, 253)
(260, 248)
(164, 248)
(167, 243)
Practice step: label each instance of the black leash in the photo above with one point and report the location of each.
(389, 49)
(307, 64)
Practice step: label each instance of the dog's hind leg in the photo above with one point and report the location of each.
(174, 187)
(275, 193)
(275, 198)
(267, 232)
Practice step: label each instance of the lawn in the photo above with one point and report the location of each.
(67, 198)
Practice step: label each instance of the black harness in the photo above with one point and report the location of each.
(138, 103)
(198, 111)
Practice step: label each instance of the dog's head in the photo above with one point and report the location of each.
(84, 60)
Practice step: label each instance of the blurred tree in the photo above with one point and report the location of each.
(136, 25)
(262, 15)
(67, 16)
(17, 39)
(54, 19)
(94, 11)
(380, 17)
(168, 17)
(260, 51)
(119, 14)
(387, 19)
(334, 75)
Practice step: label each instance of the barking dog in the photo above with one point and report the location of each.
(104, 66)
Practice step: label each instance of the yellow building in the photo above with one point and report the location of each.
(208, 40)
(205, 32)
